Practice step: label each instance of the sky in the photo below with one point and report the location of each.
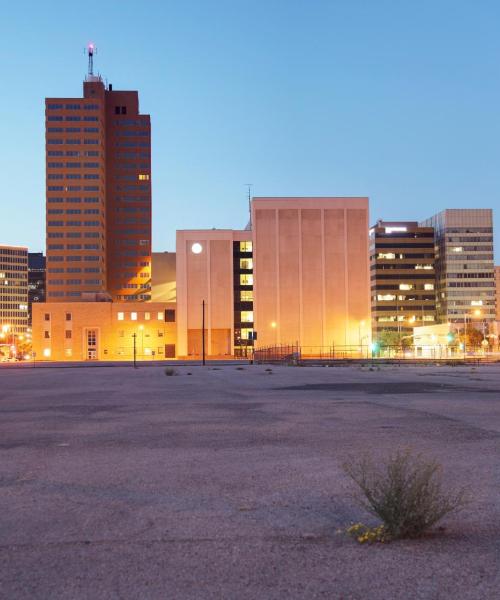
(396, 100)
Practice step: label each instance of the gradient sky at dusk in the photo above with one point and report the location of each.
(397, 100)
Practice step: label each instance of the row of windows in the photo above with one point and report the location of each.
(74, 247)
(168, 316)
(70, 141)
(73, 258)
(74, 199)
(73, 165)
(73, 153)
(73, 188)
(73, 234)
(73, 211)
(87, 118)
(73, 176)
(75, 270)
(72, 129)
(73, 223)
(58, 106)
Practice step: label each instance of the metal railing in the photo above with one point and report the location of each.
(294, 353)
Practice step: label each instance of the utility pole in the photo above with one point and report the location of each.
(134, 335)
(203, 331)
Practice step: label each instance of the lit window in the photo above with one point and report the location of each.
(457, 249)
(246, 263)
(147, 351)
(121, 316)
(133, 316)
(246, 295)
(68, 352)
(428, 318)
(246, 333)
(46, 352)
(147, 316)
(385, 297)
(247, 316)
(246, 279)
(245, 246)
(387, 255)
(428, 286)
(427, 267)
(160, 316)
(143, 177)
(405, 286)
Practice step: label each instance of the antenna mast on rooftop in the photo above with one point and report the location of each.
(249, 186)
(90, 51)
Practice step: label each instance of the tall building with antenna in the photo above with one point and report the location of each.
(98, 194)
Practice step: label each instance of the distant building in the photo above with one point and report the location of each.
(13, 293)
(403, 278)
(98, 191)
(497, 292)
(163, 277)
(36, 280)
(465, 276)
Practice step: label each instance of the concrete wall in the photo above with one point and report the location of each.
(311, 271)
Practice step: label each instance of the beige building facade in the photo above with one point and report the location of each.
(88, 331)
(311, 268)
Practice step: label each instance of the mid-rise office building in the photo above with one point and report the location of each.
(497, 292)
(36, 280)
(402, 276)
(465, 279)
(98, 191)
(13, 292)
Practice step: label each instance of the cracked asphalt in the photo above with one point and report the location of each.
(228, 483)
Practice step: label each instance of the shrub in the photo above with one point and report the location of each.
(406, 493)
(169, 371)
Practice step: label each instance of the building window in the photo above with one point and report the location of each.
(246, 295)
(68, 316)
(147, 316)
(160, 316)
(246, 263)
(46, 335)
(405, 286)
(120, 316)
(245, 246)
(133, 316)
(143, 177)
(46, 352)
(246, 279)
(247, 316)
(47, 317)
(68, 333)
(428, 286)
(170, 315)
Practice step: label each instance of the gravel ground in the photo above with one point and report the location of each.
(227, 483)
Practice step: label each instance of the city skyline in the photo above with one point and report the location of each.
(377, 114)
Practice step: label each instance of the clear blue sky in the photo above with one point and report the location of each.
(397, 100)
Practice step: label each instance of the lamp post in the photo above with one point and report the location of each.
(203, 332)
(134, 335)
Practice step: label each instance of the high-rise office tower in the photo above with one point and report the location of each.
(402, 277)
(13, 293)
(98, 164)
(464, 265)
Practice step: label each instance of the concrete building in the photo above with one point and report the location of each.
(214, 267)
(98, 190)
(13, 293)
(403, 278)
(65, 331)
(311, 272)
(464, 266)
(36, 280)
